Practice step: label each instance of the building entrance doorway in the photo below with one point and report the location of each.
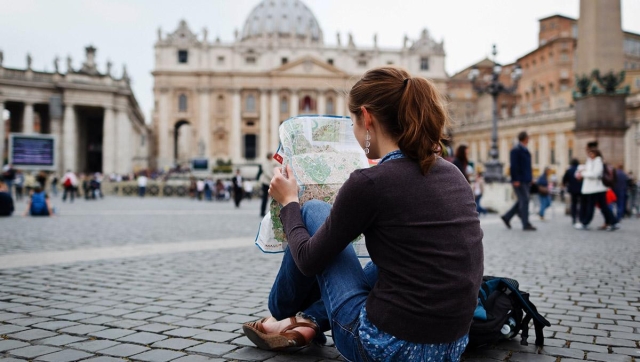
(90, 134)
(181, 142)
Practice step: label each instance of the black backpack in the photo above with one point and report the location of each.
(502, 312)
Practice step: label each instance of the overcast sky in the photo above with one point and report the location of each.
(124, 31)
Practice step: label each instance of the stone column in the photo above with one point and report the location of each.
(235, 141)
(295, 103)
(2, 132)
(264, 125)
(543, 152)
(204, 134)
(483, 151)
(27, 118)
(70, 138)
(561, 152)
(164, 146)
(473, 153)
(340, 104)
(322, 102)
(56, 131)
(275, 121)
(504, 150)
(108, 141)
(123, 135)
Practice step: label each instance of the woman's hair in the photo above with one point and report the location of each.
(596, 152)
(409, 109)
(461, 153)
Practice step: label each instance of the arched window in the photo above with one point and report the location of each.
(182, 103)
(330, 106)
(250, 106)
(284, 105)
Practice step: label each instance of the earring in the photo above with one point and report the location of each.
(367, 143)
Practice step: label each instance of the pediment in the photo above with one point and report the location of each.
(308, 66)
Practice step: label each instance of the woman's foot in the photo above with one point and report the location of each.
(270, 334)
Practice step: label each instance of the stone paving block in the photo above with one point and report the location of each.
(155, 327)
(50, 312)
(250, 354)
(184, 332)
(530, 357)
(153, 309)
(106, 303)
(157, 355)
(123, 350)
(104, 359)
(24, 309)
(210, 316)
(226, 327)
(91, 309)
(83, 329)
(179, 312)
(29, 321)
(11, 359)
(589, 347)
(32, 334)
(125, 323)
(563, 352)
(197, 358)
(608, 357)
(54, 325)
(60, 340)
(176, 343)
(116, 312)
(98, 320)
(9, 344)
(75, 316)
(192, 323)
(589, 332)
(93, 346)
(215, 336)
(141, 315)
(10, 328)
(166, 319)
(615, 342)
(635, 352)
(68, 355)
(212, 349)
(112, 333)
(9, 316)
(33, 351)
(142, 338)
(625, 335)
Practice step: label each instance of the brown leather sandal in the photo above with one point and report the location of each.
(277, 341)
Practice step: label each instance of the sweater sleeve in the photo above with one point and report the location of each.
(352, 212)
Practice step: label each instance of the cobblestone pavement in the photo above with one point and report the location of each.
(189, 306)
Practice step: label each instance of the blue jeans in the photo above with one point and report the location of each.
(521, 207)
(545, 202)
(480, 209)
(333, 298)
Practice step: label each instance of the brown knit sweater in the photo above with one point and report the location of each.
(423, 233)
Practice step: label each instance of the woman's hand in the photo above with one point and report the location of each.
(284, 189)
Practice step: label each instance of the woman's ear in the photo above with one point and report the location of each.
(366, 117)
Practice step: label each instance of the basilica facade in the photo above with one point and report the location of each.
(226, 101)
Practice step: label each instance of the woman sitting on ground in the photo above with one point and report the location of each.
(416, 298)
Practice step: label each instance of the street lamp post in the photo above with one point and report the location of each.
(493, 167)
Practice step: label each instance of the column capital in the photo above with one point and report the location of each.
(234, 90)
(203, 90)
(164, 89)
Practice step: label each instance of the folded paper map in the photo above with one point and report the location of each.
(322, 152)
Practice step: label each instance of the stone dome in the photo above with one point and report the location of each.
(282, 19)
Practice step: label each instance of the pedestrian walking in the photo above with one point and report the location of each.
(199, 189)
(461, 160)
(416, 298)
(544, 191)
(142, 184)
(18, 185)
(208, 189)
(593, 190)
(6, 201)
(521, 177)
(634, 202)
(478, 190)
(238, 190)
(54, 185)
(266, 175)
(574, 188)
(621, 188)
(69, 183)
(8, 176)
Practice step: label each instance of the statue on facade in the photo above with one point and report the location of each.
(159, 33)
(406, 41)
(56, 65)
(338, 38)
(351, 43)
(29, 61)
(1, 58)
(375, 40)
(109, 64)
(125, 75)
(204, 34)
(69, 64)
(236, 34)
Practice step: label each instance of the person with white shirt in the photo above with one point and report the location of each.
(142, 185)
(593, 190)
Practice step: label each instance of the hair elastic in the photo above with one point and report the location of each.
(406, 80)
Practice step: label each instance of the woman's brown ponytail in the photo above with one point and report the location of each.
(410, 109)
